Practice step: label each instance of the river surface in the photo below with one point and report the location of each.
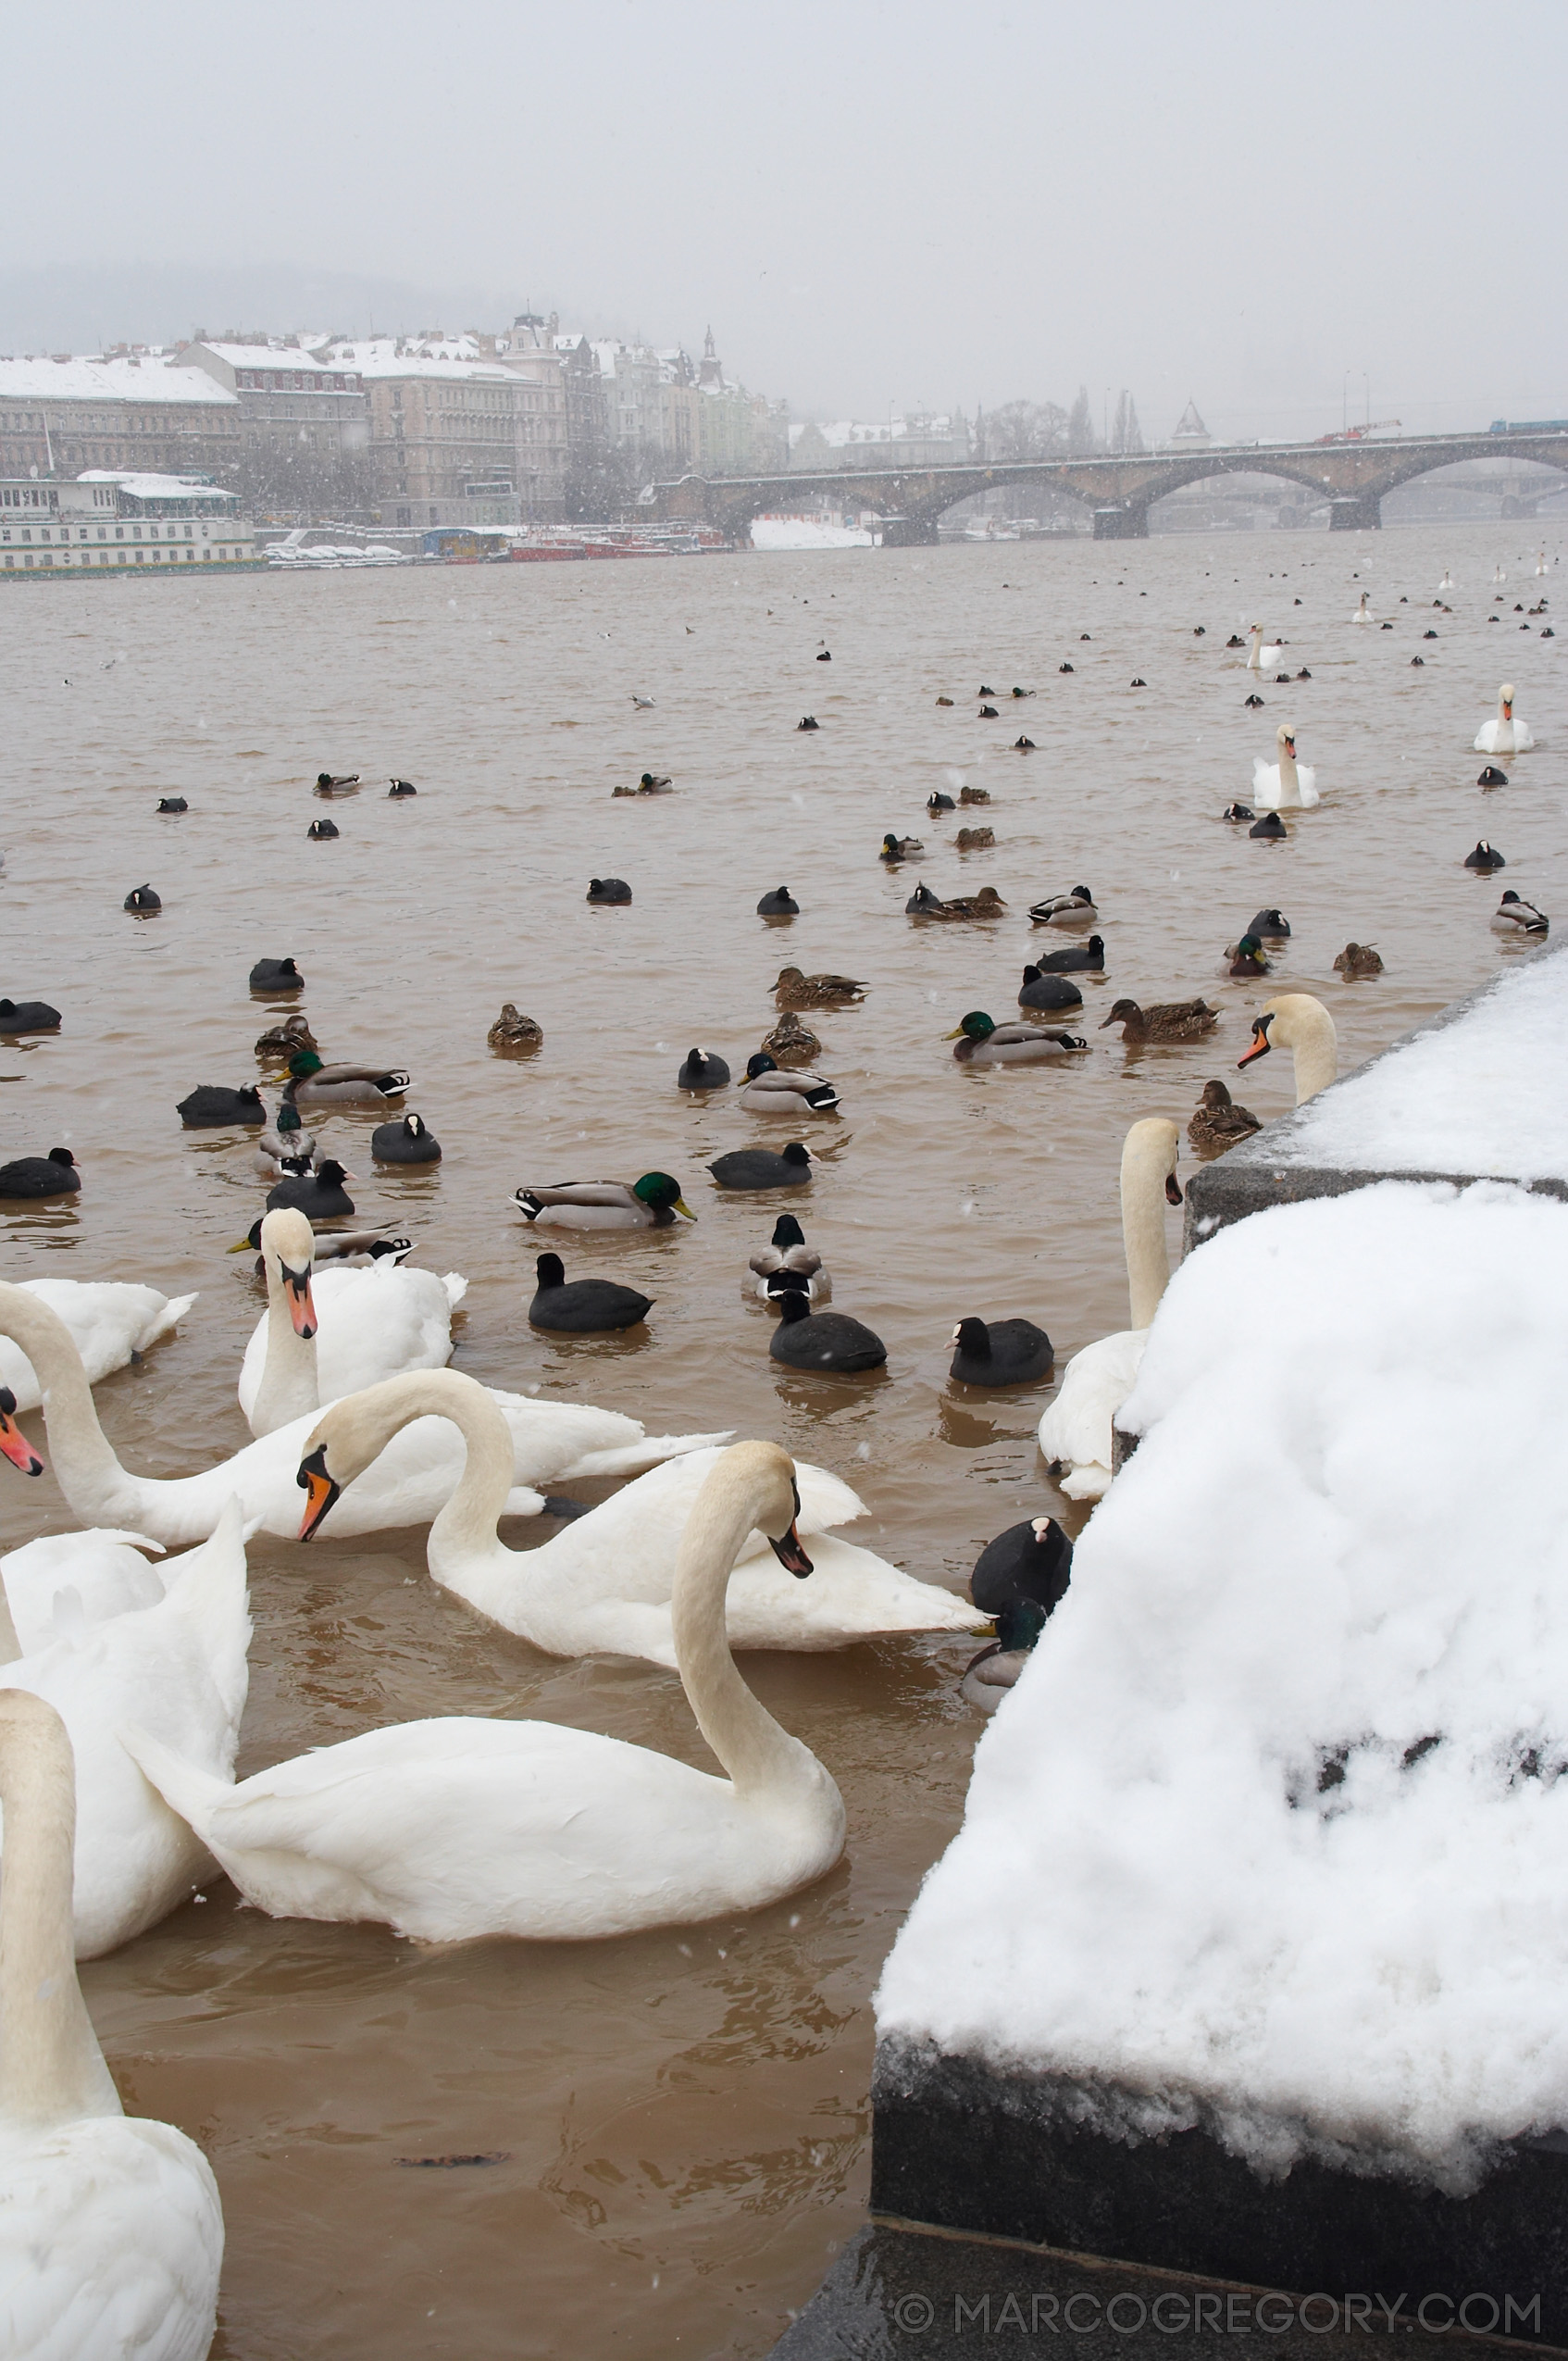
(680, 2121)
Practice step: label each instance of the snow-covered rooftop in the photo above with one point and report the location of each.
(452, 357)
(153, 378)
(154, 487)
(1270, 1835)
(1484, 1092)
(281, 356)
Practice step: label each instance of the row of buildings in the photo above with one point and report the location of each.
(414, 431)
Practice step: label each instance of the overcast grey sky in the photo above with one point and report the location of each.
(909, 204)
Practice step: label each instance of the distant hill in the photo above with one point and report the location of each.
(79, 307)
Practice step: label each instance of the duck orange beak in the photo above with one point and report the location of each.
(15, 1445)
(320, 1489)
(302, 1310)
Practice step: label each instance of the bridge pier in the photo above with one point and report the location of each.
(1356, 513)
(909, 533)
(1127, 523)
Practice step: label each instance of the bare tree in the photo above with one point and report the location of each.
(1126, 434)
(1081, 424)
(1025, 431)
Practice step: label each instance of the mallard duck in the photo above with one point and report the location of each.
(702, 1071)
(1018, 1579)
(210, 1107)
(322, 832)
(409, 1142)
(284, 1040)
(944, 700)
(827, 1341)
(1246, 957)
(1484, 856)
(786, 1262)
(900, 848)
(1049, 992)
(1023, 692)
(1012, 1352)
(319, 1195)
(651, 1203)
(793, 989)
(1064, 909)
(649, 784)
(1074, 958)
(981, 1042)
(582, 1307)
(54, 1175)
(975, 840)
(513, 1032)
(336, 783)
(344, 1249)
(312, 1083)
(142, 902)
(790, 1042)
(761, 1168)
(283, 1142)
(1358, 960)
(276, 975)
(986, 904)
(768, 1090)
(608, 891)
(1217, 1122)
(1514, 916)
(779, 904)
(28, 1016)
(976, 795)
(1167, 1020)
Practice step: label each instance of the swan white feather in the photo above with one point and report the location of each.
(1505, 734)
(371, 1323)
(109, 1321)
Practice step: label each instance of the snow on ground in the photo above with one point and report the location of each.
(1486, 1094)
(1272, 1834)
(803, 532)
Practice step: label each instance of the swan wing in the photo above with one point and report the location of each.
(64, 1582)
(851, 1594)
(1075, 1428)
(109, 1321)
(111, 2240)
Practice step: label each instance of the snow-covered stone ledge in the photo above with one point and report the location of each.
(1250, 1958)
(1480, 1091)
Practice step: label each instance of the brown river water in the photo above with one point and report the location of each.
(680, 2119)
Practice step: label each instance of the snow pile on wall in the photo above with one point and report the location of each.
(1272, 1834)
(804, 533)
(1487, 1093)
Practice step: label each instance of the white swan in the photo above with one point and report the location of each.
(1261, 658)
(1541, 567)
(550, 1440)
(1283, 786)
(604, 1586)
(1302, 1025)
(453, 1829)
(1448, 582)
(1075, 1433)
(111, 2232)
(180, 1667)
(109, 1321)
(1498, 575)
(328, 1332)
(1364, 612)
(1504, 735)
(62, 1581)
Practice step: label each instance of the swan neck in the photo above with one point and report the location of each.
(465, 1529)
(51, 2067)
(10, 1646)
(1146, 1160)
(1314, 1047)
(288, 1387)
(760, 1757)
(84, 1463)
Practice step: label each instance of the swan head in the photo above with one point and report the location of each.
(346, 1438)
(1284, 738)
(1505, 699)
(768, 1473)
(287, 1246)
(1291, 1021)
(13, 1442)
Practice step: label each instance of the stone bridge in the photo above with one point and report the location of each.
(1352, 477)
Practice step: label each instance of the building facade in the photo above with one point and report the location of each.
(133, 411)
(459, 435)
(105, 521)
(305, 428)
(920, 440)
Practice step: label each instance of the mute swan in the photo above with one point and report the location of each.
(1504, 735)
(1076, 1430)
(1302, 1025)
(550, 1440)
(109, 1322)
(1281, 786)
(329, 1332)
(603, 1587)
(1448, 582)
(111, 2232)
(179, 1668)
(1259, 657)
(454, 1829)
(63, 1581)
(1364, 612)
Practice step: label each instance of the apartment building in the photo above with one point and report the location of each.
(458, 435)
(137, 411)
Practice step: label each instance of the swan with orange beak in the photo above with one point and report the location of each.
(13, 1442)
(1302, 1025)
